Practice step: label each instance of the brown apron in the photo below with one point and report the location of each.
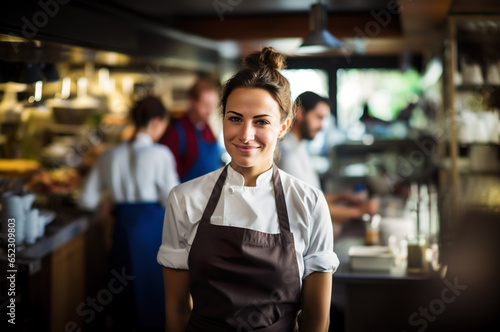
(241, 279)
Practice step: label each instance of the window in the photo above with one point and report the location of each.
(302, 80)
(385, 92)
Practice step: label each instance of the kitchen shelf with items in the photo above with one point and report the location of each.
(477, 83)
(473, 97)
(471, 154)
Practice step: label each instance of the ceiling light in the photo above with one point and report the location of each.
(319, 39)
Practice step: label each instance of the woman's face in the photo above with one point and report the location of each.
(251, 127)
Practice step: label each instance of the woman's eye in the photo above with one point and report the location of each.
(234, 119)
(262, 122)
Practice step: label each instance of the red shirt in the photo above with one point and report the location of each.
(186, 149)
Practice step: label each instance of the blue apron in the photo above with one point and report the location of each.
(136, 239)
(209, 153)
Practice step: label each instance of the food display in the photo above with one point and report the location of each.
(58, 181)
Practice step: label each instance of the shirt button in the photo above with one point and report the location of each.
(231, 191)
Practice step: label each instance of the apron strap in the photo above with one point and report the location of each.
(132, 162)
(280, 201)
(214, 197)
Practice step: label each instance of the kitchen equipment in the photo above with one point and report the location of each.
(482, 128)
(371, 229)
(45, 217)
(471, 73)
(491, 125)
(467, 126)
(493, 73)
(10, 107)
(400, 228)
(32, 226)
(13, 212)
(371, 258)
(74, 111)
(70, 112)
(28, 200)
(417, 248)
(479, 127)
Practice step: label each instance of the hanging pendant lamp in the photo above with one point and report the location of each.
(319, 38)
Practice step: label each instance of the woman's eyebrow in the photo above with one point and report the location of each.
(257, 116)
(238, 114)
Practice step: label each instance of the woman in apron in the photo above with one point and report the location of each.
(247, 247)
(138, 175)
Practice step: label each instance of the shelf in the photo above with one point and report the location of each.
(490, 144)
(475, 87)
(65, 128)
(464, 168)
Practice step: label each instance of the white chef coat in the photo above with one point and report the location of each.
(251, 208)
(296, 161)
(155, 172)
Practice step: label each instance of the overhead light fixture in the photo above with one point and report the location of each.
(319, 39)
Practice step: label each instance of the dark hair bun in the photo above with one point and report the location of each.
(267, 58)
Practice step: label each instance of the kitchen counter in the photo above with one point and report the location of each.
(345, 274)
(51, 278)
(67, 225)
(384, 299)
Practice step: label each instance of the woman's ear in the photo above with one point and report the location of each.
(284, 128)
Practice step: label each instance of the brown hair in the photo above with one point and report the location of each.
(201, 85)
(146, 110)
(261, 71)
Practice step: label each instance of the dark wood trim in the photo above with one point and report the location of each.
(342, 25)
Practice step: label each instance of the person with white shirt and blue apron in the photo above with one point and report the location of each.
(138, 175)
(248, 247)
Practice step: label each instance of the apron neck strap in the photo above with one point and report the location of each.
(214, 197)
(278, 195)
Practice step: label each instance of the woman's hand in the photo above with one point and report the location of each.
(178, 303)
(316, 300)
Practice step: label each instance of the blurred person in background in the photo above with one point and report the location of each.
(138, 176)
(312, 109)
(190, 138)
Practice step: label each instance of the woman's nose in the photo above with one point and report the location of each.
(247, 133)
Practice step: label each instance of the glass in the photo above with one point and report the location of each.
(371, 235)
(416, 256)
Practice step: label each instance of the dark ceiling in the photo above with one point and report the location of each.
(171, 29)
(412, 27)
(206, 8)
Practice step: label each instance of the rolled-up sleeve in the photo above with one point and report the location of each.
(319, 255)
(174, 250)
(93, 186)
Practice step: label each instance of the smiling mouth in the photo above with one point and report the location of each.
(246, 148)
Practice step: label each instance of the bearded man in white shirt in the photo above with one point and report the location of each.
(312, 110)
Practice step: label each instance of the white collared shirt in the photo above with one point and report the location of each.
(295, 161)
(251, 208)
(155, 173)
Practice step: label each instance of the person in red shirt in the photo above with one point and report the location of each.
(190, 138)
